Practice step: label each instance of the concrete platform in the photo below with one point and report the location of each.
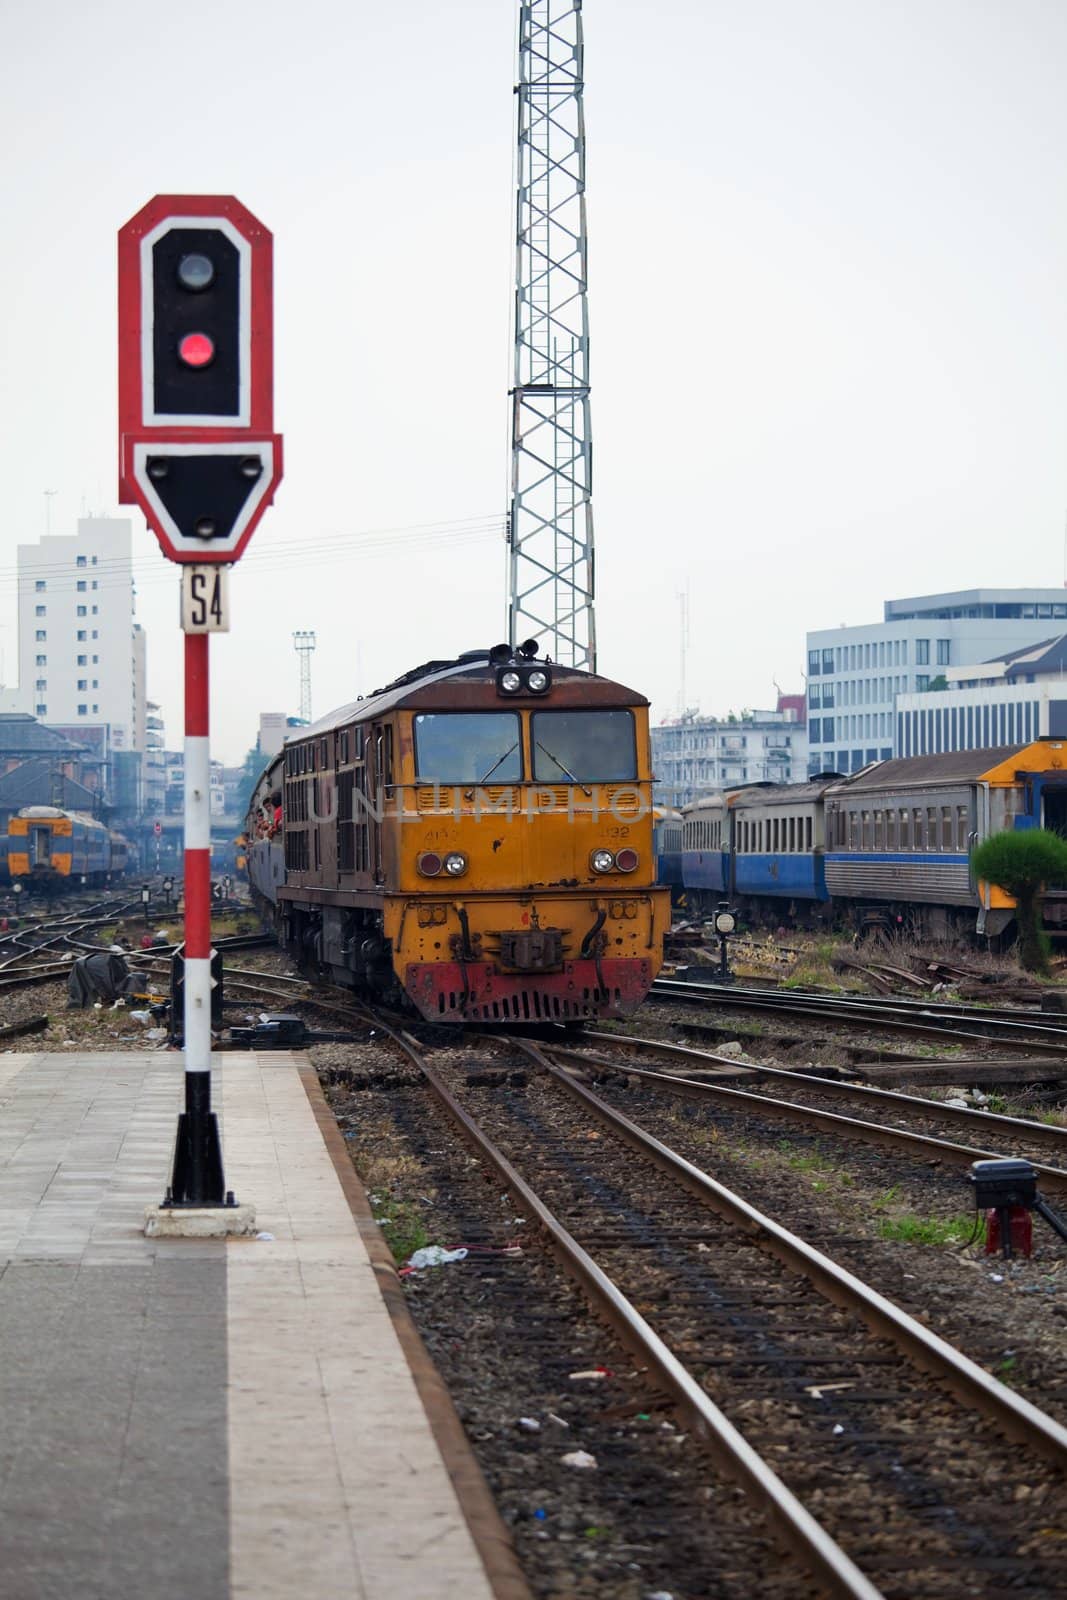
(218, 1418)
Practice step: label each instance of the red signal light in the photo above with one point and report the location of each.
(626, 860)
(196, 350)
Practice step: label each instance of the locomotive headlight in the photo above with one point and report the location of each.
(602, 861)
(510, 682)
(455, 864)
(537, 681)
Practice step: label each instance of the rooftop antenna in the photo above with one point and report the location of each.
(49, 496)
(304, 644)
(683, 644)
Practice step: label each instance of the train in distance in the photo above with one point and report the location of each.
(48, 849)
(888, 847)
(474, 841)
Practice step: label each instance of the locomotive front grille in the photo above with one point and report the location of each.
(529, 1005)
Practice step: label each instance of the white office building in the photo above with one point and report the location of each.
(81, 654)
(700, 755)
(1013, 699)
(855, 674)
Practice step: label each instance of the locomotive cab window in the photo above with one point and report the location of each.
(583, 746)
(468, 747)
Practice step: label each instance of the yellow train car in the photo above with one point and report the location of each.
(477, 838)
(49, 848)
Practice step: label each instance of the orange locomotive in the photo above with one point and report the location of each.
(477, 837)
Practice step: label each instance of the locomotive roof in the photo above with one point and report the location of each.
(456, 685)
(33, 782)
(950, 766)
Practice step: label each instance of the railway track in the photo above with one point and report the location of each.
(49, 932)
(923, 1128)
(1034, 1030)
(878, 1452)
(17, 973)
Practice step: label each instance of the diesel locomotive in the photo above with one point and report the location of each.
(475, 839)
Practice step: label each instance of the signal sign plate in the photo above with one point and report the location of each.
(204, 486)
(205, 600)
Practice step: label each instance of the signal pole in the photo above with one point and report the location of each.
(198, 454)
(550, 527)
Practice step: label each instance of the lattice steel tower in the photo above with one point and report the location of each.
(550, 528)
(304, 644)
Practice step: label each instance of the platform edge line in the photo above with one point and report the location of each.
(488, 1530)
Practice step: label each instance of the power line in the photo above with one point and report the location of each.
(116, 572)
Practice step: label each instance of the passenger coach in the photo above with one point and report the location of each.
(889, 846)
(778, 845)
(901, 833)
(50, 848)
(706, 875)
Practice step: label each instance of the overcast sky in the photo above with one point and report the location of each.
(828, 280)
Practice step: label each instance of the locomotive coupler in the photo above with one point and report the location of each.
(532, 949)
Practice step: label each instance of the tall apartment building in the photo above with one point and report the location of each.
(700, 755)
(856, 673)
(81, 654)
(154, 762)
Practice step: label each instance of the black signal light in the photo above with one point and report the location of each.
(196, 272)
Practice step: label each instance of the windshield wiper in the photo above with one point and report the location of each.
(563, 769)
(499, 763)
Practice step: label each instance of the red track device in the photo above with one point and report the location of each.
(197, 450)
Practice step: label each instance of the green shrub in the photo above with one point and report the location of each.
(1022, 864)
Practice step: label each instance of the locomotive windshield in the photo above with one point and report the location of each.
(583, 746)
(462, 747)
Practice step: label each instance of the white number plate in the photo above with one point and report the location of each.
(205, 599)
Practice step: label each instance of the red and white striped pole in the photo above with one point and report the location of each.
(198, 1177)
(197, 1021)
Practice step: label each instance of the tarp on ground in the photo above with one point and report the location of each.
(101, 976)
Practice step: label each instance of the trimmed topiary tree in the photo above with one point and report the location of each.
(1022, 864)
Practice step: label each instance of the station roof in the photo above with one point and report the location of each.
(21, 734)
(31, 783)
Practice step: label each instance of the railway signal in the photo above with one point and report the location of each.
(199, 455)
(197, 450)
